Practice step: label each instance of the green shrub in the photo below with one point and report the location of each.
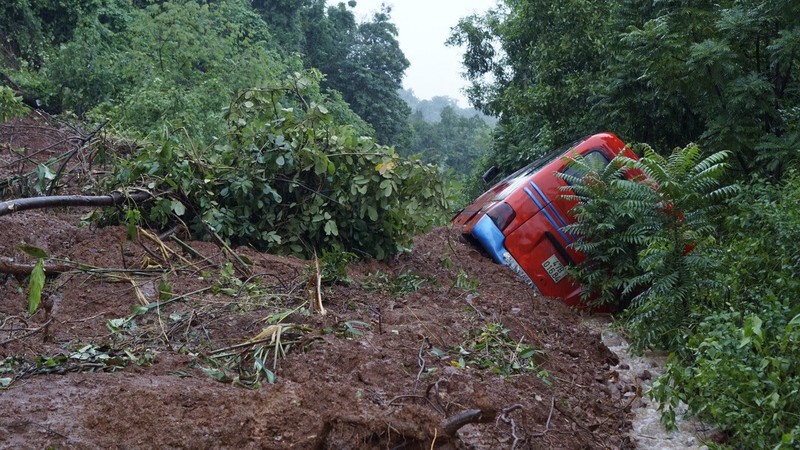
(739, 368)
(285, 178)
(11, 106)
(742, 373)
(650, 237)
(609, 236)
(681, 254)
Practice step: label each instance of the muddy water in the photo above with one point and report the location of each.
(648, 432)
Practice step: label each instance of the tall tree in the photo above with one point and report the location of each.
(286, 20)
(672, 72)
(536, 64)
(375, 70)
(723, 73)
(362, 61)
(454, 142)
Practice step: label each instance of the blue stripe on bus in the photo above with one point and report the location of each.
(547, 215)
(555, 212)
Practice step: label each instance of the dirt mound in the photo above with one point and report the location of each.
(169, 343)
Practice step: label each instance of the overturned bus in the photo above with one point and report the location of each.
(519, 221)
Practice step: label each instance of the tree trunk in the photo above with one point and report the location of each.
(60, 201)
(8, 266)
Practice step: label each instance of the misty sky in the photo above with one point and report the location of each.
(423, 27)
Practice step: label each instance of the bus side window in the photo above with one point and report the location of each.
(593, 158)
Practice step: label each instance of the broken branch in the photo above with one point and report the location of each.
(13, 268)
(61, 201)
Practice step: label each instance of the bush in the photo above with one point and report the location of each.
(740, 367)
(649, 238)
(607, 231)
(11, 106)
(741, 373)
(287, 179)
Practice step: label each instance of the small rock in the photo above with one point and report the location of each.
(644, 375)
(624, 367)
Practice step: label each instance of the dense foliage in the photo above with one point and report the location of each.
(176, 64)
(722, 74)
(11, 106)
(645, 226)
(431, 109)
(233, 149)
(287, 179)
(362, 61)
(740, 368)
(712, 281)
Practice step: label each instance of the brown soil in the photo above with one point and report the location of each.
(382, 369)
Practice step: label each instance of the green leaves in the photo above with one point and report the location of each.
(492, 347)
(649, 240)
(37, 277)
(11, 106)
(36, 252)
(736, 364)
(741, 375)
(35, 286)
(752, 333)
(286, 178)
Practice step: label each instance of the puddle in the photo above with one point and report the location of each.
(647, 432)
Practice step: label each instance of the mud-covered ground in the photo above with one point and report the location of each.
(167, 342)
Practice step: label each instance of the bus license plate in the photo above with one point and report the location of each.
(554, 268)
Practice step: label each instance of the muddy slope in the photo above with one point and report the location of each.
(406, 356)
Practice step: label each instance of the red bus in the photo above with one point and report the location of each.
(520, 220)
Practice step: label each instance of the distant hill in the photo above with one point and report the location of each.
(431, 109)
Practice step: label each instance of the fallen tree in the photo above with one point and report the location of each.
(63, 201)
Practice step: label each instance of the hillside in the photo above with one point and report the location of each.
(171, 342)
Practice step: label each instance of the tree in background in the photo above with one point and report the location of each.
(719, 73)
(456, 139)
(454, 142)
(372, 76)
(287, 19)
(32, 33)
(31, 29)
(431, 109)
(535, 64)
(362, 61)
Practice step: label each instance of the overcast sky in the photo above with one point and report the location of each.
(423, 26)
